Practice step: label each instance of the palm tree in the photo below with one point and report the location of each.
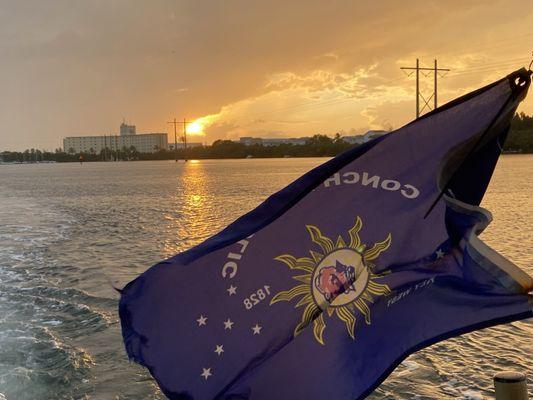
(134, 152)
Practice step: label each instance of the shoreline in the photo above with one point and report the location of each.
(195, 159)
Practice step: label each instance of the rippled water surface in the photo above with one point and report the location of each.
(68, 231)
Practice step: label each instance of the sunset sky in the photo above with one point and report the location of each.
(242, 68)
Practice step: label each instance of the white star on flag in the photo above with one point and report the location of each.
(220, 349)
(232, 290)
(202, 320)
(256, 329)
(439, 253)
(206, 373)
(228, 324)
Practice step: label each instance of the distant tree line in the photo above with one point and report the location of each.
(316, 146)
(58, 155)
(520, 139)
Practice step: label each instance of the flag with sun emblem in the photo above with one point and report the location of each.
(322, 290)
(338, 280)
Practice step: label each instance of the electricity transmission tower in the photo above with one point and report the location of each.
(183, 138)
(418, 70)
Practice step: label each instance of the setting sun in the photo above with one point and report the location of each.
(195, 128)
(266, 199)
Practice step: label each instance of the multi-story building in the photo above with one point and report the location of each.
(143, 143)
(360, 139)
(127, 129)
(248, 141)
(181, 145)
(357, 139)
(373, 134)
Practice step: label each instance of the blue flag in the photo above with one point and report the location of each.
(322, 290)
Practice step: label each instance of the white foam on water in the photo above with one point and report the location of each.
(53, 322)
(472, 395)
(407, 367)
(124, 217)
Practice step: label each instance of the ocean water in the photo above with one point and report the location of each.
(68, 232)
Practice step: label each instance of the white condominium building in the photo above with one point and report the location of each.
(143, 143)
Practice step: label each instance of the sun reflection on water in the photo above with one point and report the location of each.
(189, 218)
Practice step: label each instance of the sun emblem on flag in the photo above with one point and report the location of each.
(338, 280)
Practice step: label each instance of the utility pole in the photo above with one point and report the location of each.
(417, 88)
(435, 70)
(184, 138)
(175, 139)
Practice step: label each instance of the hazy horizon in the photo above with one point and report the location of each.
(74, 68)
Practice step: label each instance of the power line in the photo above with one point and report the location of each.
(419, 95)
(175, 122)
(330, 102)
(489, 67)
(312, 105)
(493, 63)
(484, 45)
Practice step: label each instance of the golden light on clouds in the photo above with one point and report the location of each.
(375, 97)
(270, 69)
